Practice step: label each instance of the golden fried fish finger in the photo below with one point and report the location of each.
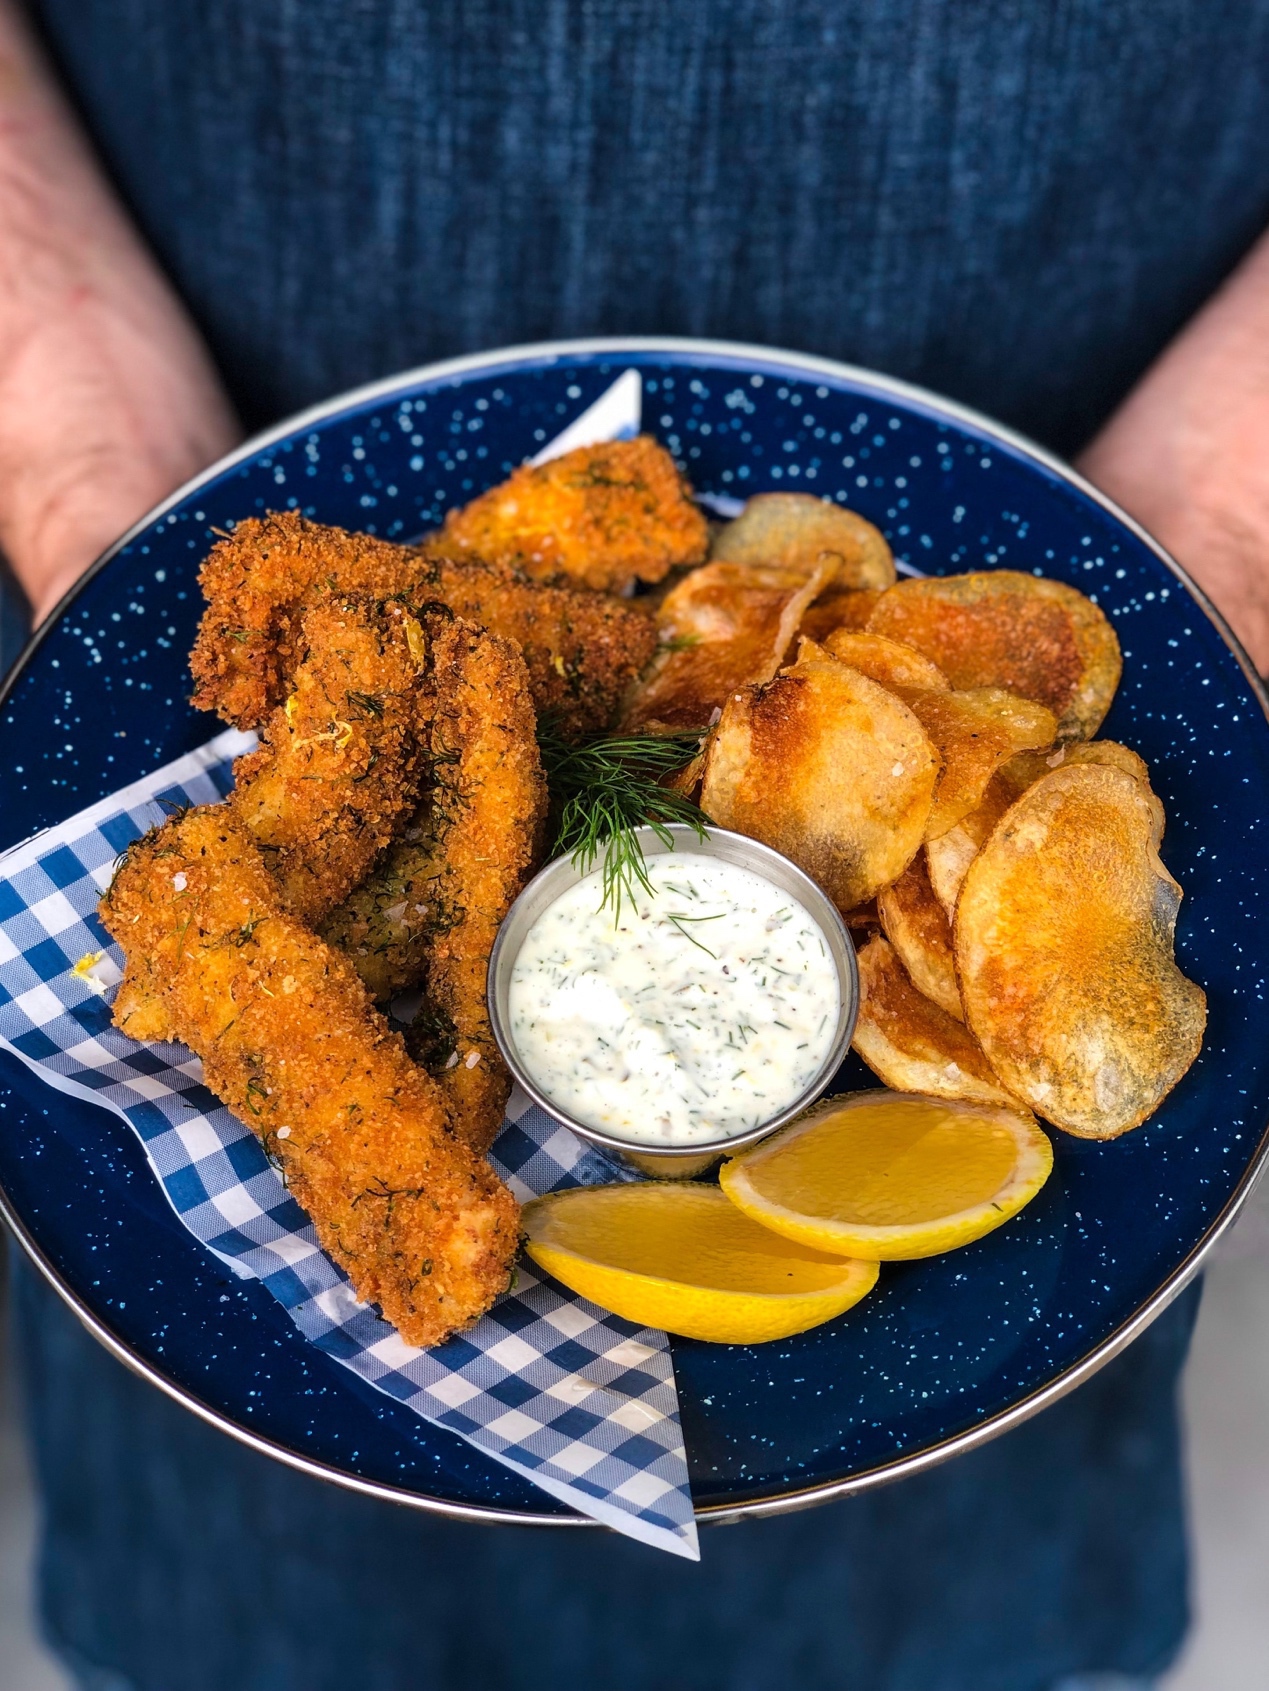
(340, 764)
(291, 1042)
(429, 913)
(583, 649)
(602, 515)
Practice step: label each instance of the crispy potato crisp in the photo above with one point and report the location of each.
(917, 926)
(797, 531)
(950, 855)
(829, 768)
(975, 732)
(839, 608)
(887, 662)
(1063, 937)
(722, 627)
(1037, 638)
(912, 1045)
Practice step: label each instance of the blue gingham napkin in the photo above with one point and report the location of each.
(579, 1401)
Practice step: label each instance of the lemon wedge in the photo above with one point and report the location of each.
(681, 1257)
(891, 1175)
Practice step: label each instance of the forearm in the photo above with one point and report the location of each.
(1187, 453)
(108, 399)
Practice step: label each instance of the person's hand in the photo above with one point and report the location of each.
(1187, 453)
(108, 400)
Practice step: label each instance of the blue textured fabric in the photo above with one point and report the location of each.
(183, 1562)
(1014, 201)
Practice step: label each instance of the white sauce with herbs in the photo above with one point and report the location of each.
(707, 1008)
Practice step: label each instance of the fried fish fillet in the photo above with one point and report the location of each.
(291, 1042)
(341, 763)
(603, 515)
(582, 649)
(430, 912)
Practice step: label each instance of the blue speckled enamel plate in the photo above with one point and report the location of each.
(945, 1352)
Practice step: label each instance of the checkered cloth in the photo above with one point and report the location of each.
(578, 1400)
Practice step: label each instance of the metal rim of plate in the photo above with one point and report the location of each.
(797, 364)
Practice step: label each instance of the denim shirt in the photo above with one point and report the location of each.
(1015, 202)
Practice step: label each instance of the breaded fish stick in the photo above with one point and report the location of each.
(583, 649)
(602, 515)
(429, 914)
(291, 1042)
(341, 762)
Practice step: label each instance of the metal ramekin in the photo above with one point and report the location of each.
(677, 1161)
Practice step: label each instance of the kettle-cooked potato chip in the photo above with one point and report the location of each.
(916, 925)
(950, 855)
(722, 627)
(796, 530)
(1027, 768)
(829, 768)
(1064, 950)
(912, 1045)
(848, 607)
(975, 732)
(1037, 638)
(887, 662)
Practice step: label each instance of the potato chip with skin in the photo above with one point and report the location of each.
(975, 732)
(797, 530)
(829, 768)
(917, 926)
(722, 627)
(912, 1045)
(1034, 637)
(1064, 950)
(1027, 768)
(887, 662)
(950, 855)
(839, 608)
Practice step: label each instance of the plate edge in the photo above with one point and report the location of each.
(547, 352)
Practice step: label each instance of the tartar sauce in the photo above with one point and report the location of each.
(705, 1009)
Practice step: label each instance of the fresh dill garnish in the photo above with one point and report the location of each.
(603, 788)
(678, 922)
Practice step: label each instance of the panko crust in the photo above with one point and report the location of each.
(829, 768)
(1032, 636)
(292, 1044)
(429, 915)
(583, 650)
(340, 765)
(1064, 949)
(601, 516)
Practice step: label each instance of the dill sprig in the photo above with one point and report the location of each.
(603, 788)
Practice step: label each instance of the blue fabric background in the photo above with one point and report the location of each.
(1013, 201)
(186, 1563)
(1016, 202)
